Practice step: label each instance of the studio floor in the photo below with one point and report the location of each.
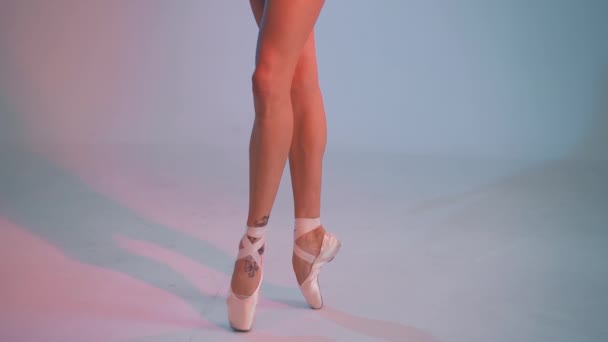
(136, 243)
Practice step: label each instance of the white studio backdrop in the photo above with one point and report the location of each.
(505, 79)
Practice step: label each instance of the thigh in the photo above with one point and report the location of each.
(306, 72)
(286, 29)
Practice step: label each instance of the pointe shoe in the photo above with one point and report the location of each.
(310, 286)
(241, 309)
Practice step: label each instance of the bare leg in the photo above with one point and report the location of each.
(307, 150)
(307, 146)
(284, 29)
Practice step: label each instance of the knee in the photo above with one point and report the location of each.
(262, 83)
(269, 80)
(305, 81)
(304, 86)
(268, 93)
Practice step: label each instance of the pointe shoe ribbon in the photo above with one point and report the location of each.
(241, 309)
(310, 286)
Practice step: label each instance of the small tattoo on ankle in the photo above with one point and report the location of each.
(251, 267)
(261, 222)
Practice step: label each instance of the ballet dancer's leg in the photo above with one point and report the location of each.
(306, 154)
(307, 147)
(284, 30)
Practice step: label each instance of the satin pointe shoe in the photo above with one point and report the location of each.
(241, 309)
(310, 286)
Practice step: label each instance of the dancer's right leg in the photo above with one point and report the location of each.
(306, 153)
(285, 27)
(313, 246)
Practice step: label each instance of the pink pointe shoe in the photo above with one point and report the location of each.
(310, 286)
(241, 309)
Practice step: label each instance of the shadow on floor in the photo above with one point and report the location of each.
(57, 206)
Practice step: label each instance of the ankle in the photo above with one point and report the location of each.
(254, 234)
(312, 241)
(316, 234)
(252, 240)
